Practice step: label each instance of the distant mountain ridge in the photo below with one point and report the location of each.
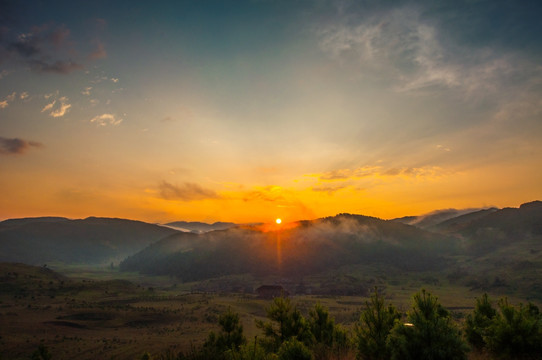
(21, 221)
(90, 240)
(484, 241)
(310, 247)
(200, 227)
(435, 218)
(327, 244)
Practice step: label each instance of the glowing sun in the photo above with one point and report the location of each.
(278, 221)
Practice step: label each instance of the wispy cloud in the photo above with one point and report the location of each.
(48, 106)
(185, 192)
(15, 146)
(267, 193)
(344, 174)
(87, 90)
(57, 108)
(58, 67)
(62, 108)
(410, 51)
(46, 48)
(99, 51)
(7, 100)
(330, 190)
(379, 171)
(106, 119)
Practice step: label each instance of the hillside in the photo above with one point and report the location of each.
(457, 223)
(90, 240)
(303, 248)
(498, 250)
(431, 220)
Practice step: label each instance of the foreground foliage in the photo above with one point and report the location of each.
(426, 332)
(507, 333)
(374, 327)
(429, 334)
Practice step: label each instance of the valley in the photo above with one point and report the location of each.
(169, 292)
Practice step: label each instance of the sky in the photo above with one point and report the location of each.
(250, 110)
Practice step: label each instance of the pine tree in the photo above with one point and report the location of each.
(286, 322)
(374, 327)
(429, 333)
(230, 336)
(515, 333)
(477, 323)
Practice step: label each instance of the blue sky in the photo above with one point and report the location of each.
(247, 110)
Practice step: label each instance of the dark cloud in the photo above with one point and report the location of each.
(24, 47)
(59, 37)
(47, 48)
(185, 192)
(16, 145)
(99, 51)
(58, 67)
(330, 190)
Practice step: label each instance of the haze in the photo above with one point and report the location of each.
(250, 111)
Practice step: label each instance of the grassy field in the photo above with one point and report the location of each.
(99, 313)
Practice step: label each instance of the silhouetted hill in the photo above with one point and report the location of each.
(305, 248)
(91, 240)
(200, 227)
(503, 227)
(432, 219)
(23, 221)
(457, 223)
(503, 250)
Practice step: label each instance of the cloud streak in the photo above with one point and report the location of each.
(414, 54)
(57, 108)
(106, 119)
(379, 171)
(185, 192)
(15, 146)
(7, 100)
(45, 48)
(99, 52)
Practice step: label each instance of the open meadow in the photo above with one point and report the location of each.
(99, 313)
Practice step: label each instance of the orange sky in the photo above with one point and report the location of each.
(260, 110)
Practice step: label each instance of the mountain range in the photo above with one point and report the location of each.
(92, 240)
(472, 247)
(199, 227)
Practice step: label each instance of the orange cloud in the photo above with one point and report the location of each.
(185, 192)
(379, 172)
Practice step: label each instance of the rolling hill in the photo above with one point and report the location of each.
(480, 249)
(303, 248)
(91, 240)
